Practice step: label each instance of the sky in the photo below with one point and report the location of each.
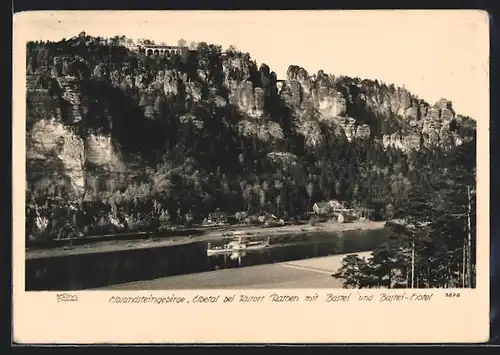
(433, 54)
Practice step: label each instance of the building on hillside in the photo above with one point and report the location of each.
(322, 208)
(336, 205)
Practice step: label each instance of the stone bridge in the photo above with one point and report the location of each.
(162, 50)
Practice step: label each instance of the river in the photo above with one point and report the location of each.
(87, 271)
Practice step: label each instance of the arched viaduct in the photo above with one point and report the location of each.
(158, 50)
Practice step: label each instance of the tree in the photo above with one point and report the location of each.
(389, 211)
(129, 42)
(310, 192)
(400, 187)
(247, 192)
(145, 42)
(353, 272)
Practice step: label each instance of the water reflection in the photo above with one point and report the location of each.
(237, 255)
(100, 269)
(292, 247)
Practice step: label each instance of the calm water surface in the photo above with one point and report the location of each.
(87, 271)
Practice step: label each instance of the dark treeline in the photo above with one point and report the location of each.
(198, 154)
(436, 247)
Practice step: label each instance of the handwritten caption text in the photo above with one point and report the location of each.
(276, 297)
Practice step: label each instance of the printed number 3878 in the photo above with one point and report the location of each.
(452, 295)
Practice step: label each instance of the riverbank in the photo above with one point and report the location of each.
(250, 231)
(306, 273)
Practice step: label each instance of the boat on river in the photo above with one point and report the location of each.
(237, 246)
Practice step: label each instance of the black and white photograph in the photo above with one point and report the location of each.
(165, 156)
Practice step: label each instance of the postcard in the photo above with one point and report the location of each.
(251, 177)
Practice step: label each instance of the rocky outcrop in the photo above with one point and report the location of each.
(348, 126)
(236, 69)
(305, 91)
(100, 152)
(105, 166)
(292, 94)
(54, 149)
(55, 104)
(39, 102)
(399, 141)
(429, 126)
(363, 132)
(72, 94)
(305, 94)
(246, 98)
(57, 100)
(330, 102)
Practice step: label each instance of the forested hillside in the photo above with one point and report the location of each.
(138, 140)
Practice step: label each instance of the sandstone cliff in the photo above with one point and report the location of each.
(75, 125)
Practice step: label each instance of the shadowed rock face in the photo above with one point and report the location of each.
(100, 152)
(331, 103)
(259, 102)
(363, 131)
(56, 145)
(246, 97)
(402, 142)
(68, 155)
(171, 82)
(293, 94)
(58, 104)
(55, 107)
(236, 68)
(300, 91)
(76, 102)
(234, 97)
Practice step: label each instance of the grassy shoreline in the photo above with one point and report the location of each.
(209, 235)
